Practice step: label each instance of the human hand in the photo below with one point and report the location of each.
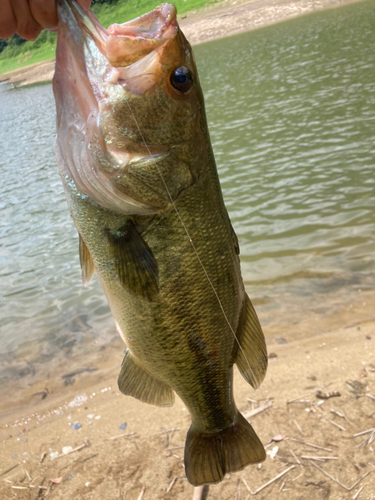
(28, 18)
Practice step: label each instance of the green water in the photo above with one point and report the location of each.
(291, 110)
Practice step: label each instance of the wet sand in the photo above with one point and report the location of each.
(217, 21)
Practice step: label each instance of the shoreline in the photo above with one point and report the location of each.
(97, 443)
(204, 25)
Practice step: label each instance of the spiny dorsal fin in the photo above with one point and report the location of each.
(87, 264)
(135, 264)
(253, 350)
(137, 382)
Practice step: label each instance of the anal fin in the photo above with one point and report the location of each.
(137, 382)
(251, 359)
(87, 264)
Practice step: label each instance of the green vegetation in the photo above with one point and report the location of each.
(16, 53)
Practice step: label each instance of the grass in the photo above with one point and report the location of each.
(43, 49)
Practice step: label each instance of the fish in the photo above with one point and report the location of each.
(139, 174)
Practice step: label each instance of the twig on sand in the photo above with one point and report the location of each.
(79, 461)
(336, 425)
(268, 483)
(141, 493)
(298, 426)
(337, 481)
(120, 436)
(174, 429)
(358, 492)
(171, 484)
(282, 485)
(295, 456)
(251, 413)
(310, 444)
(84, 445)
(363, 432)
(369, 439)
(342, 415)
(8, 470)
(300, 398)
(319, 459)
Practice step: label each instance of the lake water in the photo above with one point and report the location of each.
(291, 110)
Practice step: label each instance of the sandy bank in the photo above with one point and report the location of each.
(313, 437)
(217, 21)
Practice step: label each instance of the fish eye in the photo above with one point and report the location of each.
(181, 79)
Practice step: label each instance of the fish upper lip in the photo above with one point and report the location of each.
(152, 25)
(123, 44)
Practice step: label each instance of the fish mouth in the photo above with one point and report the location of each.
(131, 41)
(124, 44)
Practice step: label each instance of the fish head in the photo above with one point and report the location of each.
(131, 124)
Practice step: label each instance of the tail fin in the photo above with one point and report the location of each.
(209, 456)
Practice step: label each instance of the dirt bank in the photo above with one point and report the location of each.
(121, 447)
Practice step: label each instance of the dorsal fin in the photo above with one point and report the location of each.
(251, 359)
(134, 261)
(87, 264)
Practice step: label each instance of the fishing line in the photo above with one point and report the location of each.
(189, 237)
(199, 259)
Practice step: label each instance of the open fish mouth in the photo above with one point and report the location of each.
(124, 44)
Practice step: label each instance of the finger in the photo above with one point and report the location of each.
(27, 27)
(44, 12)
(8, 23)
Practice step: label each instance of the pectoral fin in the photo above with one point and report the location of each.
(251, 359)
(137, 382)
(87, 264)
(134, 261)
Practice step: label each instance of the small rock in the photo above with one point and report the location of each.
(123, 426)
(90, 415)
(368, 337)
(272, 453)
(76, 426)
(97, 417)
(15, 456)
(281, 340)
(53, 455)
(272, 355)
(67, 449)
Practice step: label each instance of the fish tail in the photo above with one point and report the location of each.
(209, 456)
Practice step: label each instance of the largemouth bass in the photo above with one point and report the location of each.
(136, 162)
